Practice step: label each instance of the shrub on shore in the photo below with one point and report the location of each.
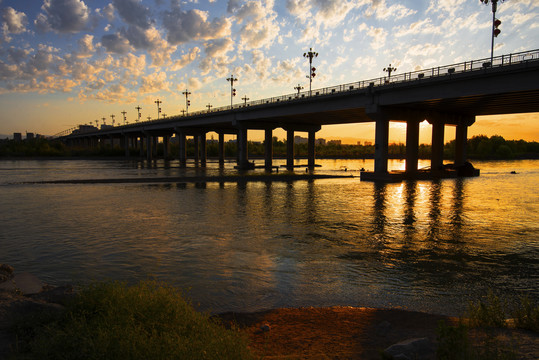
(110, 320)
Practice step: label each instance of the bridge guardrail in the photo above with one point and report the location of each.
(472, 65)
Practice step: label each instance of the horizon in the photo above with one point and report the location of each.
(62, 58)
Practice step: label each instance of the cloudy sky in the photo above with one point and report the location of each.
(69, 62)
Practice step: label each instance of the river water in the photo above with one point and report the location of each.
(425, 245)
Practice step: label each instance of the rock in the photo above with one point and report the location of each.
(383, 328)
(6, 272)
(26, 283)
(419, 348)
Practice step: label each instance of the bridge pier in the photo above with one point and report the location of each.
(268, 149)
(203, 152)
(461, 139)
(243, 151)
(437, 147)
(381, 144)
(221, 149)
(311, 152)
(197, 150)
(182, 155)
(412, 145)
(126, 145)
(166, 139)
(289, 149)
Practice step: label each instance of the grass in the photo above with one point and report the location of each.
(110, 320)
(485, 319)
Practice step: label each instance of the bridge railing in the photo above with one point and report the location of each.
(440, 71)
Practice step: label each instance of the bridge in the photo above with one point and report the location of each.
(451, 95)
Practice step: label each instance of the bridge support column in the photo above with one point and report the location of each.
(221, 150)
(126, 145)
(381, 143)
(165, 146)
(148, 147)
(203, 153)
(243, 150)
(412, 146)
(311, 143)
(155, 141)
(290, 149)
(141, 145)
(197, 150)
(182, 155)
(437, 147)
(461, 140)
(268, 149)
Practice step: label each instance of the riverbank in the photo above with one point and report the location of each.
(286, 333)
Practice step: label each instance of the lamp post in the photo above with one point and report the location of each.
(158, 102)
(310, 55)
(183, 112)
(104, 119)
(209, 106)
(138, 111)
(495, 24)
(245, 98)
(187, 102)
(112, 117)
(123, 113)
(232, 90)
(298, 88)
(389, 70)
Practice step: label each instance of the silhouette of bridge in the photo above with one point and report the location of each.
(446, 95)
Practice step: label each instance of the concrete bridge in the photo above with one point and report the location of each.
(450, 95)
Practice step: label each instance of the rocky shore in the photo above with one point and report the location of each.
(295, 333)
(23, 294)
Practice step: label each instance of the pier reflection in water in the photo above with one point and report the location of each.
(425, 245)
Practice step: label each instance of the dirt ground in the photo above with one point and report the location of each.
(348, 332)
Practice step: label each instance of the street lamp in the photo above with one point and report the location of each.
(232, 90)
(495, 24)
(187, 102)
(104, 119)
(183, 112)
(209, 106)
(112, 117)
(245, 98)
(158, 108)
(138, 111)
(164, 116)
(298, 88)
(389, 70)
(310, 55)
(123, 113)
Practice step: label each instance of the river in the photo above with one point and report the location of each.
(426, 245)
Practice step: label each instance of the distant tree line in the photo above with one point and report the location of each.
(478, 147)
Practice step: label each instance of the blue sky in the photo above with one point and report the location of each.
(69, 62)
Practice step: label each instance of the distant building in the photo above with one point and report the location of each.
(367, 143)
(300, 140)
(334, 142)
(17, 136)
(29, 136)
(320, 141)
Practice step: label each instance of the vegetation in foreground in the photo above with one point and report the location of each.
(110, 320)
(478, 147)
(485, 320)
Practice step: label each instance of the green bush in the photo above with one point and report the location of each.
(490, 313)
(151, 320)
(526, 315)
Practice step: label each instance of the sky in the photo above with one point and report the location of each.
(70, 62)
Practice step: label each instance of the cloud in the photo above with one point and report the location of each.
(396, 11)
(154, 82)
(133, 12)
(86, 46)
(192, 25)
(260, 28)
(378, 35)
(115, 43)
(63, 16)
(108, 12)
(186, 59)
(15, 21)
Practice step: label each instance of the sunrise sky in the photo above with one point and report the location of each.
(70, 62)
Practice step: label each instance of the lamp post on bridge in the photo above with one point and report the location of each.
(298, 88)
(310, 55)
(245, 98)
(495, 24)
(138, 111)
(187, 102)
(123, 113)
(112, 117)
(158, 102)
(232, 90)
(389, 70)
(183, 112)
(209, 106)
